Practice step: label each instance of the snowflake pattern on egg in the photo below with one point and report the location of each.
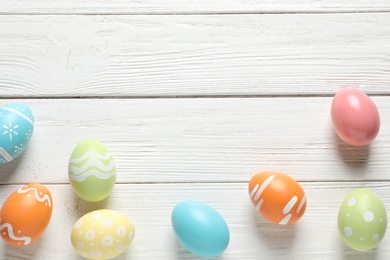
(16, 128)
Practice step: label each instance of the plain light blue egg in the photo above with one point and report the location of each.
(200, 228)
(16, 128)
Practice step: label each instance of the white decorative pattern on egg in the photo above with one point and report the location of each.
(102, 234)
(104, 171)
(361, 219)
(26, 214)
(91, 170)
(16, 128)
(39, 196)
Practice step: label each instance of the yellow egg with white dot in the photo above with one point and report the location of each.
(102, 234)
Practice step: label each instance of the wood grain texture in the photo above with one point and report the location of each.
(192, 98)
(199, 140)
(188, 6)
(315, 236)
(188, 55)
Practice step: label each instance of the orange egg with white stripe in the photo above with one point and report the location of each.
(278, 197)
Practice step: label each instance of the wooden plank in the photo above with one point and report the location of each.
(192, 6)
(199, 140)
(193, 55)
(251, 235)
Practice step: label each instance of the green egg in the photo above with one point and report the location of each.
(362, 219)
(92, 171)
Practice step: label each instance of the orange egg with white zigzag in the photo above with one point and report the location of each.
(278, 197)
(25, 215)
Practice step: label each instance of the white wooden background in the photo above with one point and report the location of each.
(192, 98)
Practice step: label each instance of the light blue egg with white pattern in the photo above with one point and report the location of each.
(16, 129)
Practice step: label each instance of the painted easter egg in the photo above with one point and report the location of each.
(355, 117)
(25, 214)
(17, 125)
(278, 197)
(200, 228)
(102, 234)
(362, 219)
(92, 171)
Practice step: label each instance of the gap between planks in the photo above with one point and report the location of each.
(204, 182)
(187, 96)
(194, 13)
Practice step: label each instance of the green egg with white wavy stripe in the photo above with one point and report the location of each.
(92, 171)
(362, 219)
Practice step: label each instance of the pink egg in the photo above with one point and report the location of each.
(355, 117)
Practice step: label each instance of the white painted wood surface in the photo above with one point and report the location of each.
(315, 236)
(200, 140)
(188, 6)
(193, 98)
(152, 55)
